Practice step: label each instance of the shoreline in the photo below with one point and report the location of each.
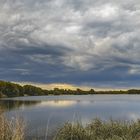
(9, 89)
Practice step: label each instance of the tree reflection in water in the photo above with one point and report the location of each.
(8, 105)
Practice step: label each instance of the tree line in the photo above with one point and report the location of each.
(9, 89)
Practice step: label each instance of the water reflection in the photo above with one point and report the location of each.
(58, 103)
(8, 105)
(56, 110)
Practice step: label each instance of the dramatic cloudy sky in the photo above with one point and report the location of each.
(80, 42)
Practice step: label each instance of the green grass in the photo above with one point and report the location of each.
(99, 130)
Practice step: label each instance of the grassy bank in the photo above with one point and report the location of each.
(95, 130)
(99, 130)
(11, 129)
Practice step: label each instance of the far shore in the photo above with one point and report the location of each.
(9, 89)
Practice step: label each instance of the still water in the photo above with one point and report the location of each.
(44, 114)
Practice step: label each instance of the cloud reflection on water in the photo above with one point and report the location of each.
(57, 103)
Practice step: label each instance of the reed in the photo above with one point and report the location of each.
(95, 130)
(11, 129)
(99, 130)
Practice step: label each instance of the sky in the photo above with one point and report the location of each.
(90, 43)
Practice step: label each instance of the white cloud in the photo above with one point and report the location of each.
(96, 34)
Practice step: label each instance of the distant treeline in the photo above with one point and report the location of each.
(8, 89)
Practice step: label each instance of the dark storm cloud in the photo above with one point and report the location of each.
(80, 42)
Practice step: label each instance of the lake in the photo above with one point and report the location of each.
(44, 114)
